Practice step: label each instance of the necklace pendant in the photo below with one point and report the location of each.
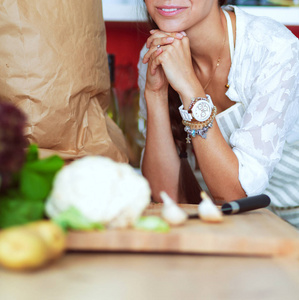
(217, 64)
(227, 85)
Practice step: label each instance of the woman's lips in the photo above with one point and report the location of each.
(170, 11)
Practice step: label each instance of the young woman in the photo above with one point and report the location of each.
(228, 81)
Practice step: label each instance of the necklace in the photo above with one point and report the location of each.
(218, 62)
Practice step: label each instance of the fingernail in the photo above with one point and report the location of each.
(152, 31)
(183, 33)
(170, 39)
(179, 35)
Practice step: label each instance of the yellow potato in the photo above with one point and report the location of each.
(53, 236)
(22, 249)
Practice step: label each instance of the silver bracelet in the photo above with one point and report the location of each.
(194, 132)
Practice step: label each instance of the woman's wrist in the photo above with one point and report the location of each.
(191, 90)
(158, 95)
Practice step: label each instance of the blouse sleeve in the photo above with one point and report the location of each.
(142, 69)
(271, 115)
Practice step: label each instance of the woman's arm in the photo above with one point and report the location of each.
(219, 165)
(161, 161)
(160, 164)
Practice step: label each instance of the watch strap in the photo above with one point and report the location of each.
(186, 116)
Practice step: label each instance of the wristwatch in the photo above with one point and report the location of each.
(199, 110)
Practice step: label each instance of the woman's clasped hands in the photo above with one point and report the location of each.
(169, 62)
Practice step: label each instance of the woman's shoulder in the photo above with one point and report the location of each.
(262, 41)
(264, 31)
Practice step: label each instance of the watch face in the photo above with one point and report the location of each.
(201, 110)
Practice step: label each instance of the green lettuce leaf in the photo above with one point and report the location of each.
(73, 219)
(152, 223)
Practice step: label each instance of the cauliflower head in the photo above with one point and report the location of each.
(103, 190)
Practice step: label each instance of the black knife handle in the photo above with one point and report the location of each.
(245, 204)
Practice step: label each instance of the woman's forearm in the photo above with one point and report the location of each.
(219, 165)
(161, 161)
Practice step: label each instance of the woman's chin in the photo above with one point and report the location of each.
(171, 28)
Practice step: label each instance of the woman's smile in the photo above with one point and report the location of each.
(168, 11)
(178, 15)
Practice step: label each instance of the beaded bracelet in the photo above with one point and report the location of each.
(199, 128)
(193, 132)
(200, 125)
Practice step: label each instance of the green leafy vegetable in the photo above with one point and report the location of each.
(72, 218)
(152, 223)
(24, 201)
(36, 176)
(32, 153)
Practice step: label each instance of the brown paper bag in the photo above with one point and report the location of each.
(54, 67)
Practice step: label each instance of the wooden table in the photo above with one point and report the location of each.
(107, 276)
(141, 276)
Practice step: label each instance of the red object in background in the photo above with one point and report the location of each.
(125, 40)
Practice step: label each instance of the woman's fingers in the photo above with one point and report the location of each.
(159, 38)
(171, 60)
(154, 61)
(156, 34)
(174, 34)
(156, 43)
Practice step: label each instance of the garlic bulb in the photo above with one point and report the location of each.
(208, 211)
(171, 212)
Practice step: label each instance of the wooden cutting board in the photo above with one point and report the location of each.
(255, 233)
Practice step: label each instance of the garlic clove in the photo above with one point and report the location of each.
(208, 211)
(171, 212)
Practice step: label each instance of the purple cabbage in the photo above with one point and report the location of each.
(12, 142)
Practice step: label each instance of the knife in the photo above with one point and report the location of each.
(242, 205)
